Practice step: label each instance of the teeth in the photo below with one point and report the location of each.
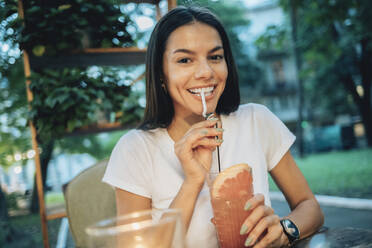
(206, 94)
(198, 90)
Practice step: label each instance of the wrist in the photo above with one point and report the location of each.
(192, 185)
(284, 241)
(290, 230)
(194, 181)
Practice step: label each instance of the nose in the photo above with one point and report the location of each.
(203, 70)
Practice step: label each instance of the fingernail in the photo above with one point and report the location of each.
(204, 132)
(243, 229)
(219, 140)
(220, 129)
(213, 119)
(247, 206)
(247, 242)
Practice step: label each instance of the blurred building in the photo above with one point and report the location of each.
(278, 88)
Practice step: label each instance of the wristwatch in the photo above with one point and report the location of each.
(291, 230)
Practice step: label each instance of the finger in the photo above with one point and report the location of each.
(255, 201)
(206, 123)
(192, 138)
(259, 233)
(250, 205)
(208, 131)
(219, 125)
(210, 143)
(254, 217)
(272, 237)
(201, 133)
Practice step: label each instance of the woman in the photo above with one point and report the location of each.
(164, 163)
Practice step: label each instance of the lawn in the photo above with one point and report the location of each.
(341, 173)
(54, 198)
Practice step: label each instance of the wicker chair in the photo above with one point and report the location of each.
(88, 200)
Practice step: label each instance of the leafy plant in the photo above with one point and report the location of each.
(78, 99)
(52, 27)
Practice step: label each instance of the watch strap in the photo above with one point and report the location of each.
(292, 237)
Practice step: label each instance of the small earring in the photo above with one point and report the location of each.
(164, 88)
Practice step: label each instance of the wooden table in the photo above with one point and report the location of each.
(338, 238)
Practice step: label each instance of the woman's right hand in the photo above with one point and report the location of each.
(194, 150)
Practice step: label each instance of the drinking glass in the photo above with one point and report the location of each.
(228, 198)
(141, 229)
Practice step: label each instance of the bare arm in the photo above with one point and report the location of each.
(127, 202)
(306, 212)
(194, 151)
(185, 200)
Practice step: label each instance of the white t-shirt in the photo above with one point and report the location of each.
(144, 163)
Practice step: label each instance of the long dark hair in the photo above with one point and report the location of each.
(159, 110)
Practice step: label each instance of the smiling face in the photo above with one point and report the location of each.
(194, 60)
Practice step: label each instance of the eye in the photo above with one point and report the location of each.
(184, 61)
(216, 57)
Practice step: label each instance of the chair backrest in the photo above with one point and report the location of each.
(88, 200)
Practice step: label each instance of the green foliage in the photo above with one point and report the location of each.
(334, 38)
(53, 27)
(275, 38)
(29, 232)
(66, 99)
(98, 145)
(332, 34)
(12, 200)
(14, 134)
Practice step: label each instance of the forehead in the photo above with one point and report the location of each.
(194, 36)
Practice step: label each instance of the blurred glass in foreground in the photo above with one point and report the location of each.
(142, 229)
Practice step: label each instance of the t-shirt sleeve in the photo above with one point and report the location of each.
(275, 137)
(129, 166)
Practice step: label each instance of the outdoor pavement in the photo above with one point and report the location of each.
(356, 213)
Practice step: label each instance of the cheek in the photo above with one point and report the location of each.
(177, 76)
(222, 72)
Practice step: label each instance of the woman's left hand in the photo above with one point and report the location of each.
(263, 225)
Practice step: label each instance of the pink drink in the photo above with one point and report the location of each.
(229, 192)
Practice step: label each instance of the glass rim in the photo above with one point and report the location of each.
(101, 228)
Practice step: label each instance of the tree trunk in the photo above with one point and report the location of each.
(298, 61)
(45, 157)
(363, 102)
(366, 75)
(366, 113)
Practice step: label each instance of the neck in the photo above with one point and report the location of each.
(180, 125)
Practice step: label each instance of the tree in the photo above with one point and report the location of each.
(335, 38)
(13, 136)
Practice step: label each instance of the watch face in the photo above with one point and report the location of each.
(291, 228)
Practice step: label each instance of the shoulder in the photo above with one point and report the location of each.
(136, 138)
(251, 111)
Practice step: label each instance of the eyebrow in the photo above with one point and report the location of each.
(182, 50)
